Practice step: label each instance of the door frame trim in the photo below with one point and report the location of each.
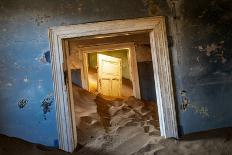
(131, 60)
(161, 65)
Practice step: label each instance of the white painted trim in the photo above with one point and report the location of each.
(161, 65)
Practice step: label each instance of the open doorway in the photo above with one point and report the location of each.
(105, 104)
(61, 43)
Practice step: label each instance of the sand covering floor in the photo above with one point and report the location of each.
(123, 128)
(112, 126)
(215, 142)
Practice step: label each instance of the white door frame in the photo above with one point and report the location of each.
(131, 60)
(161, 65)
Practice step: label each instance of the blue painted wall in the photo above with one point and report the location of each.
(27, 110)
(201, 64)
(146, 81)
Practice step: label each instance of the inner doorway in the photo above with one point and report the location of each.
(109, 75)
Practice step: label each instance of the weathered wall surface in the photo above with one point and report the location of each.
(199, 40)
(203, 64)
(27, 108)
(146, 81)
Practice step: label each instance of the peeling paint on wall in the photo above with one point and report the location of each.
(215, 51)
(153, 8)
(46, 104)
(185, 100)
(44, 58)
(40, 19)
(22, 103)
(186, 105)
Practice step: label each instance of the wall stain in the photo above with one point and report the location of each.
(153, 8)
(46, 104)
(202, 110)
(185, 101)
(215, 51)
(41, 19)
(22, 103)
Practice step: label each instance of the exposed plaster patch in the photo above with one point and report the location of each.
(44, 58)
(47, 56)
(153, 8)
(40, 19)
(202, 110)
(185, 101)
(46, 104)
(22, 103)
(214, 50)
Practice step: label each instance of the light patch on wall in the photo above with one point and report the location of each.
(40, 84)
(215, 51)
(26, 80)
(9, 84)
(203, 111)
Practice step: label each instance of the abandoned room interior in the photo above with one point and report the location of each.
(132, 77)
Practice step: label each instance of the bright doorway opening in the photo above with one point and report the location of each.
(108, 73)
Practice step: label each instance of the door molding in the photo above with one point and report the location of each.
(131, 60)
(161, 65)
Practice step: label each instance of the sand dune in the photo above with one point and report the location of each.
(111, 125)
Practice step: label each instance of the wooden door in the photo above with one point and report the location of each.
(109, 75)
